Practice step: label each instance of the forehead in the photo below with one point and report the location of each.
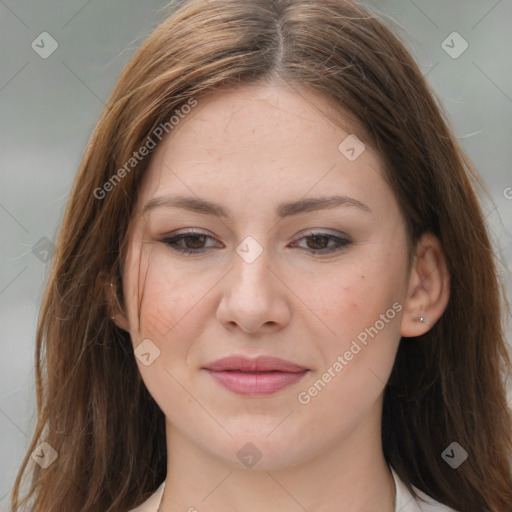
(254, 115)
(263, 143)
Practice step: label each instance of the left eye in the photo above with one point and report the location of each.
(318, 243)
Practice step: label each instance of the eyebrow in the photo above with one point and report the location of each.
(203, 206)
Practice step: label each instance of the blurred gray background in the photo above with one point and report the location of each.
(49, 104)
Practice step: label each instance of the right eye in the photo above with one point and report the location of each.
(190, 242)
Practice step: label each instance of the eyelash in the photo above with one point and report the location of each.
(341, 243)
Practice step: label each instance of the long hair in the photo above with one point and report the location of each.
(446, 386)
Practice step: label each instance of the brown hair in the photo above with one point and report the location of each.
(446, 385)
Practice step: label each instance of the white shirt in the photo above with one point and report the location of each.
(404, 501)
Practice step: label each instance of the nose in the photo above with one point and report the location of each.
(253, 298)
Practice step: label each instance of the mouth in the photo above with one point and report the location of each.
(263, 375)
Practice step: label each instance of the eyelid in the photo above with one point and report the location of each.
(188, 231)
(322, 231)
(185, 233)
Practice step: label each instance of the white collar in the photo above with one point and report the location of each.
(404, 501)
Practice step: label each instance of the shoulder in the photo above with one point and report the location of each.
(152, 503)
(406, 502)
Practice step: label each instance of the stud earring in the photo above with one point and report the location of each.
(422, 320)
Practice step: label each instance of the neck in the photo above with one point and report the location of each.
(351, 472)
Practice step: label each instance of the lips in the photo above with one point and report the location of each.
(259, 376)
(258, 364)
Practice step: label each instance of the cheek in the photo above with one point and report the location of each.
(168, 300)
(361, 306)
(169, 305)
(175, 307)
(352, 298)
(163, 304)
(357, 360)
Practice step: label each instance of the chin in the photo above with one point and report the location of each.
(262, 451)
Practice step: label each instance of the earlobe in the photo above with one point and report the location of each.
(114, 310)
(118, 317)
(121, 321)
(428, 288)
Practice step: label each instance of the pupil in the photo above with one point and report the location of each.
(317, 240)
(199, 240)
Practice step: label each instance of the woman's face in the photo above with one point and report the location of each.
(298, 253)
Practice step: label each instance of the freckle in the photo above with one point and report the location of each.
(362, 276)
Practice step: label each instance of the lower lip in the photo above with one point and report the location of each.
(256, 383)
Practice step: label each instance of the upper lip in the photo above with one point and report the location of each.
(257, 364)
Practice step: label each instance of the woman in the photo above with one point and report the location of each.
(273, 287)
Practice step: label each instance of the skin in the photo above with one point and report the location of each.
(250, 150)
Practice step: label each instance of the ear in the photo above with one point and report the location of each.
(428, 287)
(115, 311)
